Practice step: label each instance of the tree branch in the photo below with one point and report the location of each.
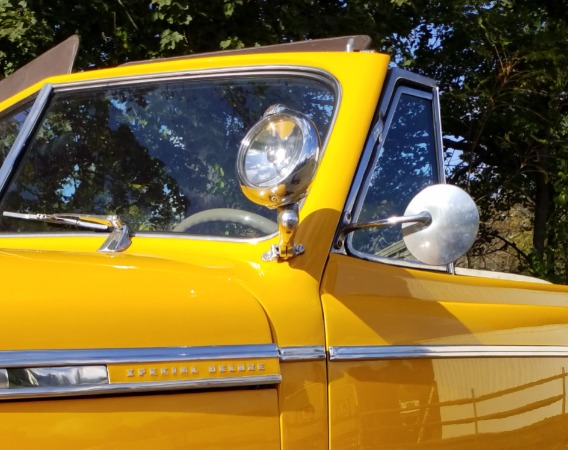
(128, 15)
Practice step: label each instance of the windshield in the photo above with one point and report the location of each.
(155, 153)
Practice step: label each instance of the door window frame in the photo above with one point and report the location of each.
(16, 114)
(397, 83)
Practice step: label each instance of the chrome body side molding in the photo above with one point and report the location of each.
(65, 373)
(301, 353)
(350, 353)
(43, 358)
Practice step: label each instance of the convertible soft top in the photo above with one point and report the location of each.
(60, 59)
(57, 61)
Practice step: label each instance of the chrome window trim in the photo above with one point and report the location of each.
(175, 75)
(24, 135)
(408, 264)
(40, 104)
(44, 358)
(385, 127)
(378, 352)
(403, 81)
(13, 111)
(18, 106)
(302, 353)
(394, 77)
(198, 237)
(139, 234)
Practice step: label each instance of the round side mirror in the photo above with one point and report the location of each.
(452, 230)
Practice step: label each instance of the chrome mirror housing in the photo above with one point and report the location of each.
(452, 229)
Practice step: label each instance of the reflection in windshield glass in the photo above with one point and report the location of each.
(153, 154)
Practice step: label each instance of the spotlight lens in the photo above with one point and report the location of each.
(273, 151)
(278, 157)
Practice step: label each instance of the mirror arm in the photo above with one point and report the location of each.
(424, 218)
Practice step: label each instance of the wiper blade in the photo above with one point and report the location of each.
(117, 241)
(103, 223)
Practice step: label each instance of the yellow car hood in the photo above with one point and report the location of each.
(61, 300)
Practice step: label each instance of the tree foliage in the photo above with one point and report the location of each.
(505, 97)
(115, 31)
(501, 66)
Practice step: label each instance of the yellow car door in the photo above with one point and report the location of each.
(424, 356)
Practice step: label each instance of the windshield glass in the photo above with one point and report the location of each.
(155, 153)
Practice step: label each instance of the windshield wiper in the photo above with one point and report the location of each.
(117, 241)
(103, 223)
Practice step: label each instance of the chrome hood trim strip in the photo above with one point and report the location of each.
(302, 353)
(64, 373)
(42, 358)
(349, 353)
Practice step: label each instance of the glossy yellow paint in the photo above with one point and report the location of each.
(225, 419)
(460, 402)
(175, 290)
(303, 405)
(182, 291)
(450, 403)
(359, 77)
(143, 302)
(388, 305)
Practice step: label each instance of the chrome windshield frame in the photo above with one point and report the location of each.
(28, 128)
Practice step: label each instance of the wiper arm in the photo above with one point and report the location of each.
(103, 223)
(117, 241)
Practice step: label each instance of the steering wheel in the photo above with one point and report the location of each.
(256, 221)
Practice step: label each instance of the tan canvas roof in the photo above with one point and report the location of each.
(56, 61)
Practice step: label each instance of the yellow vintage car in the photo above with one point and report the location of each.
(255, 249)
